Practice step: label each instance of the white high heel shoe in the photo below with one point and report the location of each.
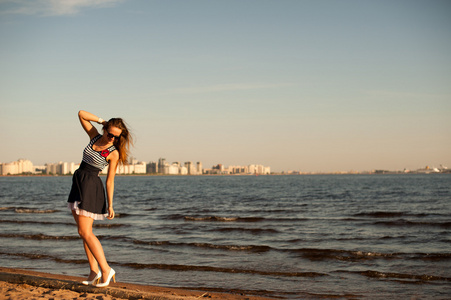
(107, 282)
(94, 281)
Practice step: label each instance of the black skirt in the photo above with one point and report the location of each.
(87, 189)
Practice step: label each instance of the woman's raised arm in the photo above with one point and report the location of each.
(85, 119)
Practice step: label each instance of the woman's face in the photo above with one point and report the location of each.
(113, 133)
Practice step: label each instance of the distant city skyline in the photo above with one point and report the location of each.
(317, 86)
(162, 166)
(24, 166)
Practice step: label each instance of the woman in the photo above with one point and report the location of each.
(87, 196)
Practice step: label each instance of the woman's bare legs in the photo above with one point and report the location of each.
(93, 248)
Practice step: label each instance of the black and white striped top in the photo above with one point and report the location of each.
(96, 158)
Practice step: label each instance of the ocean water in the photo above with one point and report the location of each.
(292, 237)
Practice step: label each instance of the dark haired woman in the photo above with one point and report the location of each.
(87, 196)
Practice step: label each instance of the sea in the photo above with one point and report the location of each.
(287, 237)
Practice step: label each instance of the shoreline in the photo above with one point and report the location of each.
(23, 284)
(249, 175)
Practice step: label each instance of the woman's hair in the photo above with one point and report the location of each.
(123, 143)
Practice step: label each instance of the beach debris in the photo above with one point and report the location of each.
(205, 295)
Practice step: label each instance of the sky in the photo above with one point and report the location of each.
(309, 85)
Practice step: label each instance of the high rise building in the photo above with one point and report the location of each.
(199, 168)
(152, 167)
(161, 165)
(17, 167)
(173, 169)
(191, 168)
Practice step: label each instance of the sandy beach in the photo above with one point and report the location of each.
(24, 284)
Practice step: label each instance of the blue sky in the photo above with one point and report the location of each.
(295, 85)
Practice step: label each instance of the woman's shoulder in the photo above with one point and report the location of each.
(113, 155)
(95, 138)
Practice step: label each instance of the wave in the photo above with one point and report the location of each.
(388, 275)
(250, 248)
(235, 219)
(62, 223)
(37, 236)
(176, 267)
(224, 219)
(110, 225)
(433, 256)
(350, 255)
(172, 267)
(343, 255)
(387, 214)
(35, 211)
(41, 236)
(6, 208)
(212, 219)
(313, 254)
(246, 230)
(46, 257)
(35, 222)
(26, 210)
(150, 209)
(121, 215)
(402, 222)
(221, 270)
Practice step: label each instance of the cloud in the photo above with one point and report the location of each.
(52, 7)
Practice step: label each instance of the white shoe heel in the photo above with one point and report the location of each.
(112, 275)
(94, 281)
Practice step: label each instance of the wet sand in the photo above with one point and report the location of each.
(24, 284)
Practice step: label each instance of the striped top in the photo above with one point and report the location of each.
(96, 158)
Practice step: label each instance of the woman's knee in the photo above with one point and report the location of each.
(84, 227)
(84, 232)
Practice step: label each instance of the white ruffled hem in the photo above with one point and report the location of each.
(81, 212)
